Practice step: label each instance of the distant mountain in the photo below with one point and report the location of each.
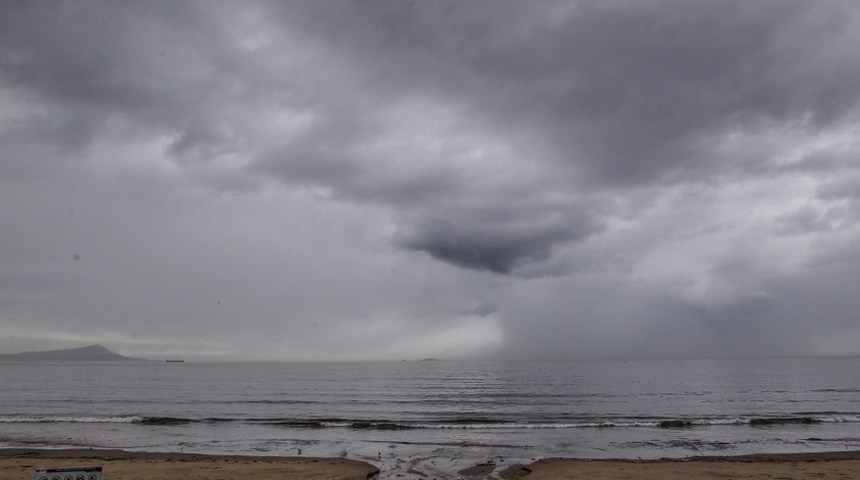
(93, 353)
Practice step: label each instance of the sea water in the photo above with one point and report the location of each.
(437, 417)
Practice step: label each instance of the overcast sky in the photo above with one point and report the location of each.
(397, 180)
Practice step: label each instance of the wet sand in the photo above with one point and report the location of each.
(803, 466)
(19, 464)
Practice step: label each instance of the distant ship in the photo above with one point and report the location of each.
(174, 360)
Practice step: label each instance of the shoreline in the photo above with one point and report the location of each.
(18, 463)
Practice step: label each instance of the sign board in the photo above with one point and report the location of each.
(70, 473)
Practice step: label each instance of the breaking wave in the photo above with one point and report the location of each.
(67, 419)
(462, 423)
(483, 424)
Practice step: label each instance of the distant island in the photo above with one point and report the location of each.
(92, 353)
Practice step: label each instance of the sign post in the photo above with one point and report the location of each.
(70, 473)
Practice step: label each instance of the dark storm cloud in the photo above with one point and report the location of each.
(475, 243)
(498, 237)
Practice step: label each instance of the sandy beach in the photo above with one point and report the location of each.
(19, 464)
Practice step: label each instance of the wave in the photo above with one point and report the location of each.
(452, 424)
(67, 419)
(164, 421)
(484, 424)
(101, 419)
(836, 390)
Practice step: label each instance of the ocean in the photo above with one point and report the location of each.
(433, 418)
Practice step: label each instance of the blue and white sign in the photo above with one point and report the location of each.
(69, 473)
